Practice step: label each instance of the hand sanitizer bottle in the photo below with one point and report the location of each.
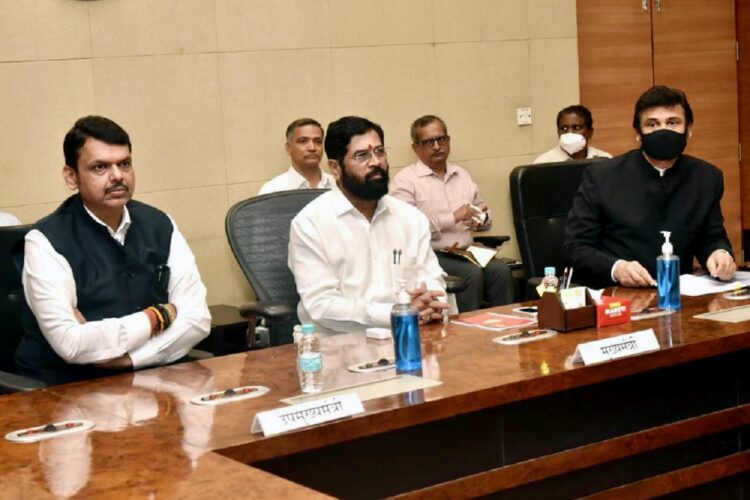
(668, 275)
(406, 339)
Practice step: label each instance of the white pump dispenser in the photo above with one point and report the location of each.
(666, 248)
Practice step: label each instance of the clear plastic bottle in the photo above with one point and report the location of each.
(406, 339)
(550, 280)
(310, 360)
(297, 333)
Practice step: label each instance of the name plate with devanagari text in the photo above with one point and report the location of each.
(301, 415)
(611, 348)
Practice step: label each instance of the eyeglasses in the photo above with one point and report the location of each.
(440, 140)
(364, 156)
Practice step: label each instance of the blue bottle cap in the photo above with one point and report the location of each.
(308, 328)
(549, 270)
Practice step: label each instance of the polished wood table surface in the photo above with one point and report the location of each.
(149, 441)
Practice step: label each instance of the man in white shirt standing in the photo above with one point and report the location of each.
(304, 144)
(349, 247)
(575, 127)
(110, 282)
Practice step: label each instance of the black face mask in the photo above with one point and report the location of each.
(664, 144)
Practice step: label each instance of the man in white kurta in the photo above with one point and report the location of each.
(346, 247)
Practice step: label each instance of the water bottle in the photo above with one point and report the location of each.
(406, 340)
(550, 281)
(310, 360)
(668, 275)
(297, 333)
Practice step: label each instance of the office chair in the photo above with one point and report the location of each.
(258, 234)
(11, 304)
(542, 196)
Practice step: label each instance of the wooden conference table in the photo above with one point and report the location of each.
(519, 420)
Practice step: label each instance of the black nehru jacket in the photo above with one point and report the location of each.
(624, 203)
(112, 280)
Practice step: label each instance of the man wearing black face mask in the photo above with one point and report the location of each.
(613, 230)
(353, 248)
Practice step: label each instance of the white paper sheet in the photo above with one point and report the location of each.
(694, 286)
(483, 254)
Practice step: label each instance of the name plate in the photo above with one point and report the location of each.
(302, 415)
(621, 346)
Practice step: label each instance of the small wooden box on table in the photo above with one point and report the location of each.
(553, 315)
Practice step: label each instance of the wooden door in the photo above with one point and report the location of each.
(743, 83)
(615, 67)
(694, 50)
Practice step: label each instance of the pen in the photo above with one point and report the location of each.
(570, 278)
(564, 279)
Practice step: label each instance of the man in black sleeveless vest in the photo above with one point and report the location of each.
(110, 283)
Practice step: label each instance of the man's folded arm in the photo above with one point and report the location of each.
(50, 292)
(188, 294)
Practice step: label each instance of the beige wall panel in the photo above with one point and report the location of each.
(170, 105)
(480, 20)
(262, 92)
(361, 22)
(492, 176)
(39, 103)
(480, 106)
(391, 86)
(278, 24)
(239, 192)
(146, 27)
(43, 29)
(28, 214)
(198, 212)
(554, 85)
(207, 87)
(552, 19)
(218, 271)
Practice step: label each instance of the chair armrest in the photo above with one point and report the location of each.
(277, 313)
(268, 309)
(454, 284)
(492, 241)
(11, 382)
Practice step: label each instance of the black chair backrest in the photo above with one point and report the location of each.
(11, 295)
(542, 195)
(258, 233)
